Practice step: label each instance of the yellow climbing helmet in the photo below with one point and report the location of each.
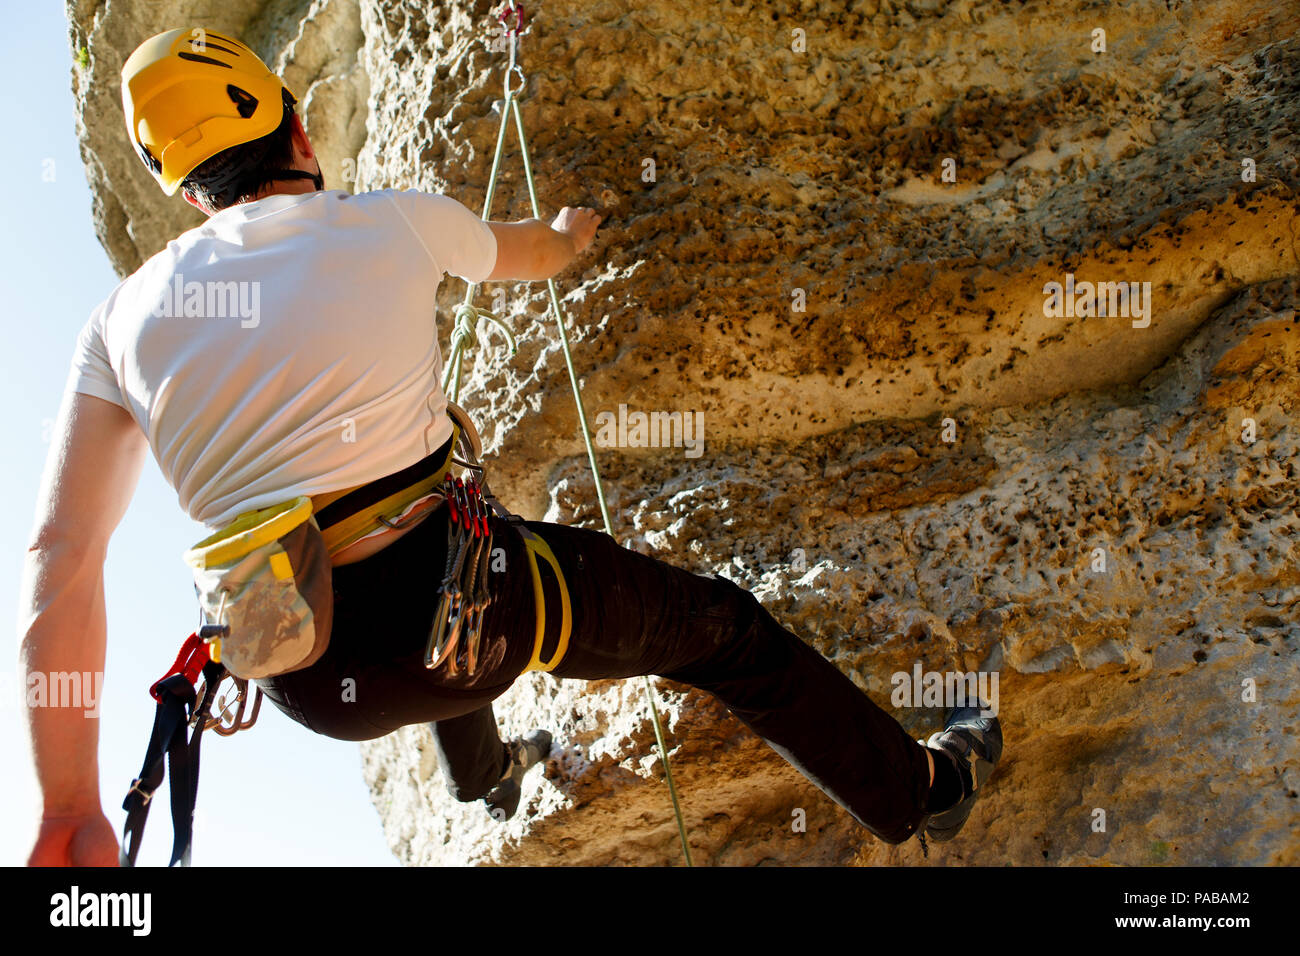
(189, 94)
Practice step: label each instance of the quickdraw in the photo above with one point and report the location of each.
(464, 593)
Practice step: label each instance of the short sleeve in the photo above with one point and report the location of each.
(458, 241)
(91, 373)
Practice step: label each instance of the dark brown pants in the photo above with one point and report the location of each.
(632, 615)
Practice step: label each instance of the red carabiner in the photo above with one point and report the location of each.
(475, 506)
(518, 10)
(189, 662)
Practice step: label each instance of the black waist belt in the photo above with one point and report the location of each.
(382, 501)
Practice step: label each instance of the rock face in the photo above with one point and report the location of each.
(833, 234)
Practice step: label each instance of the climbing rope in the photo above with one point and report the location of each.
(467, 317)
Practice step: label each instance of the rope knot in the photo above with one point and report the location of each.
(467, 319)
(466, 330)
(467, 316)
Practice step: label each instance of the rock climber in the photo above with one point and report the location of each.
(331, 390)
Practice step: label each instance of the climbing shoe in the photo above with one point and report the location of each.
(974, 744)
(524, 753)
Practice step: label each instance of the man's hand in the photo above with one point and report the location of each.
(86, 840)
(579, 224)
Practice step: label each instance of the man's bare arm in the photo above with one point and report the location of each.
(531, 249)
(90, 475)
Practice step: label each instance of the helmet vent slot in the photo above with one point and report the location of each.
(245, 102)
(198, 58)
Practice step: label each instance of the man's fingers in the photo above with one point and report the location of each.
(87, 841)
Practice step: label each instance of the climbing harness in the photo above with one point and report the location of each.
(265, 588)
(468, 315)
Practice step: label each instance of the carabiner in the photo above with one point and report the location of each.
(518, 10)
(237, 722)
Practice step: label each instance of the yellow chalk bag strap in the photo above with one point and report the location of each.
(250, 531)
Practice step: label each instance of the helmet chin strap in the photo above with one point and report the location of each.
(315, 177)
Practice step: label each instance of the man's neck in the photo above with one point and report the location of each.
(278, 187)
(285, 187)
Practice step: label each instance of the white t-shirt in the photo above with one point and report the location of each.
(287, 346)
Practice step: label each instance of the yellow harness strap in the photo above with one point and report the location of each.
(350, 529)
(537, 548)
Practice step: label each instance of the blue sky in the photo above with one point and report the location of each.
(278, 795)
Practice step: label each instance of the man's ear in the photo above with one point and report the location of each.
(189, 198)
(301, 143)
